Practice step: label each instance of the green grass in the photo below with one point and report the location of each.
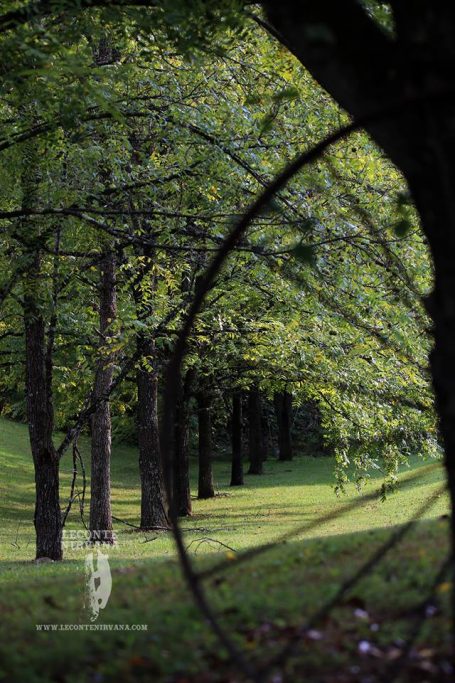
(273, 590)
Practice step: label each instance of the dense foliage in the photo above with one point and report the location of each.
(152, 155)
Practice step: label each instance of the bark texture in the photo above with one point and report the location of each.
(154, 508)
(47, 518)
(38, 373)
(100, 522)
(154, 500)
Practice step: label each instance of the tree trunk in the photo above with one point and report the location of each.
(181, 465)
(255, 441)
(154, 509)
(438, 220)
(38, 373)
(236, 433)
(100, 522)
(443, 369)
(265, 431)
(154, 499)
(283, 410)
(205, 480)
(100, 501)
(40, 417)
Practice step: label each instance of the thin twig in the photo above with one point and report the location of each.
(72, 496)
(206, 539)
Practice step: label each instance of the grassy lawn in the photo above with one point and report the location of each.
(261, 601)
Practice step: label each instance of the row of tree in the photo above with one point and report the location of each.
(123, 166)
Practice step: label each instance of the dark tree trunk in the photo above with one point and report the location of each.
(265, 431)
(283, 410)
(154, 499)
(154, 509)
(181, 465)
(38, 374)
(438, 220)
(236, 435)
(443, 370)
(40, 417)
(100, 500)
(205, 479)
(100, 521)
(255, 440)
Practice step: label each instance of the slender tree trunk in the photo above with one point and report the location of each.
(40, 417)
(101, 427)
(100, 501)
(181, 465)
(154, 508)
(283, 410)
(236, 433)
(38, 373)
(255, 441)
(100, 522)
(205, 480)
(265, 430)
(154, 500)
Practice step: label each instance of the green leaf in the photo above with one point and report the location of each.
(307, 224)
(305, 253)
(402, 227)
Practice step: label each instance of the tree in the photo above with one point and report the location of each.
(397, 78)
(205, 476)
(283, 410)
(101, 432)
(255, 435)
(181, 461)
(317, 296)
(236, 440)
(38, 372)
(154, 509)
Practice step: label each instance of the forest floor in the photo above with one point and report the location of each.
(263, 602)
